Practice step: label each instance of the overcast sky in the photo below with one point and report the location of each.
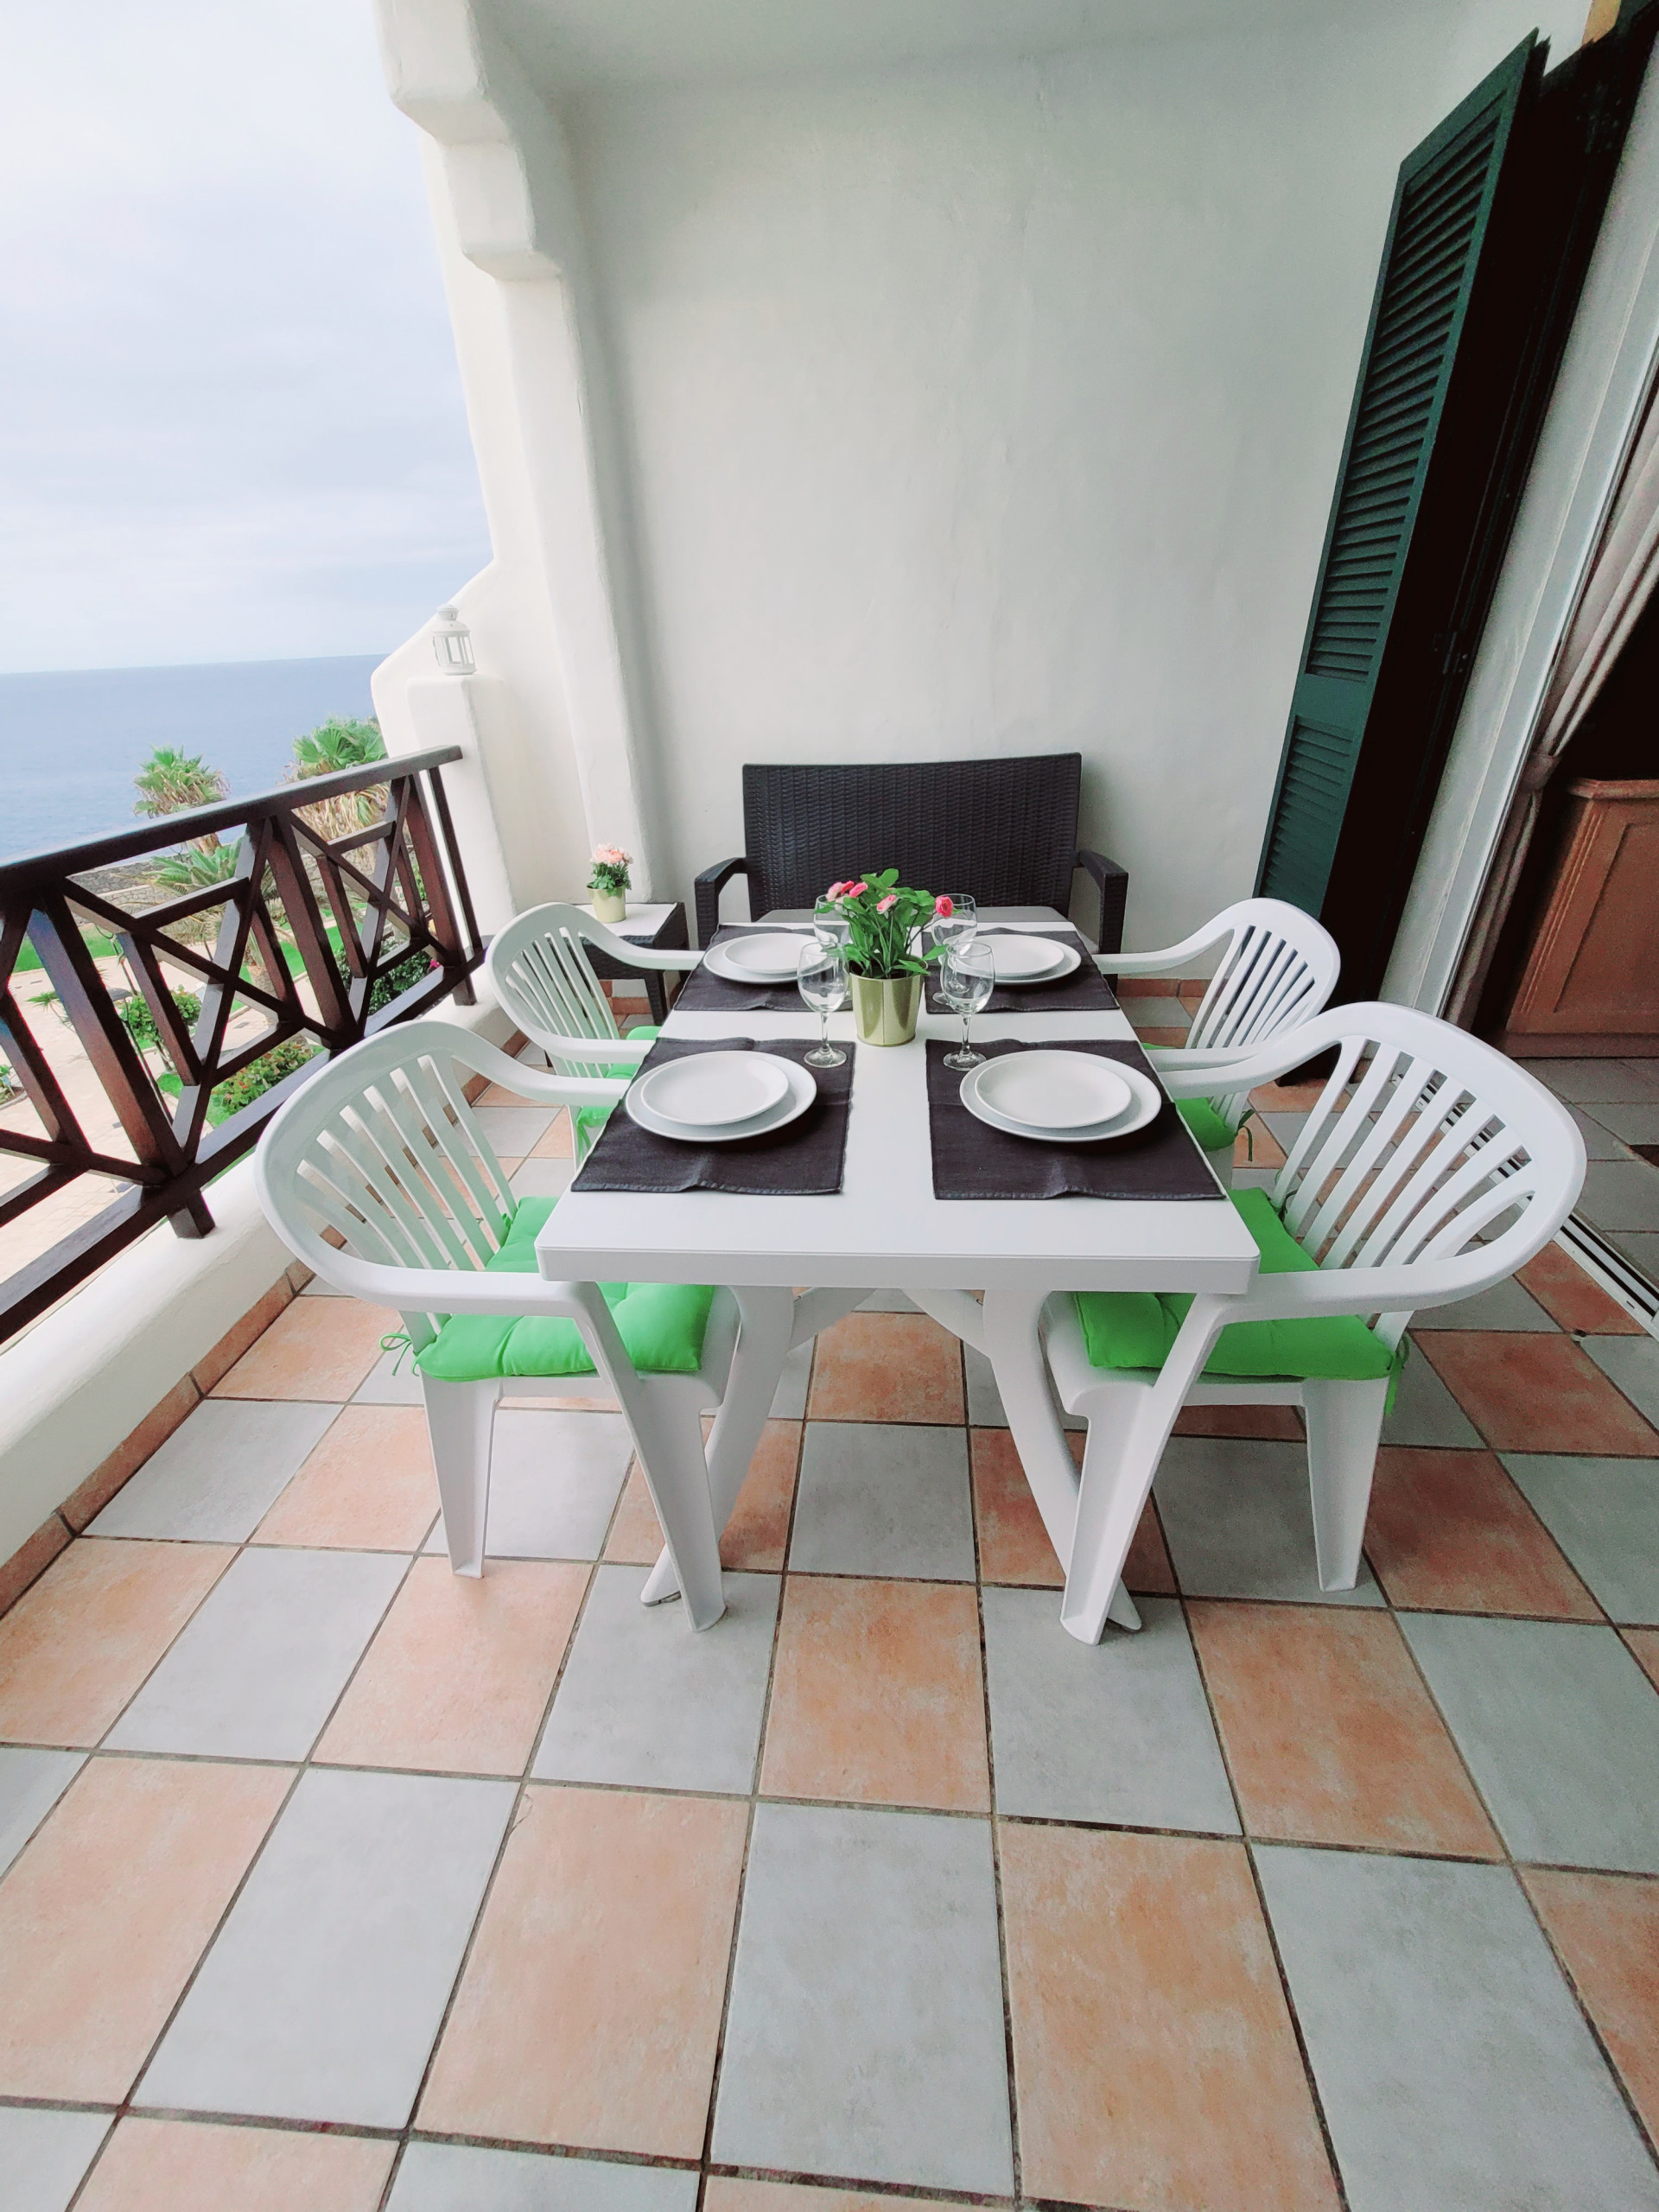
(231, 424)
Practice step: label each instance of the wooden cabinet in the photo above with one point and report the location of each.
(1591, 983)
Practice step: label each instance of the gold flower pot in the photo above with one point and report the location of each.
(885, 1008)
(610, 905)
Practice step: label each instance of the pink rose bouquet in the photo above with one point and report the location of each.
(610, 870)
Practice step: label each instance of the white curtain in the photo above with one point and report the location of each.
(1619, 583)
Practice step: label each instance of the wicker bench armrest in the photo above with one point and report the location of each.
(1114, 882)
(708, 887)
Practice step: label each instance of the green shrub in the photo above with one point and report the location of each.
(261, 1075)
(401, 978)
(141, 1022)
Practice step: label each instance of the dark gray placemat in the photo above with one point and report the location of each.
(806, 1158)
(1086, 990)
(703, 992)
(973, 1160)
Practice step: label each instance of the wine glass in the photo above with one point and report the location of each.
(959, 925)
(822, 980)
(967, 978)
(829, 924)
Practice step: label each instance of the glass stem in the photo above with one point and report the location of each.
(824, 1029)
(965, 1019)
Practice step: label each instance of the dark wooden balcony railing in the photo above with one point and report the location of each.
(309, 925)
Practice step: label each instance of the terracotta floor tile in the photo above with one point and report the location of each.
(177, 2165)
(758, 1532)
(589, 2010)
(1644, 1644)
(1606, 1928)
(1530, 1393)
(315, 1348)
(105, 1914)
(556, 1142)
(1270, 1424)
(1287, 1097)
(1158, 1032)
(458, 1674)
(1571, 1299)
(877, 1695)
(1154, 2062)
(1330, 1734)
(1256, 1146)
(1449, 1530)
(368, 1486)
(729, 2195)
(636, 1534)
(886, 1367)
(76, 1646)
(1014, 1544)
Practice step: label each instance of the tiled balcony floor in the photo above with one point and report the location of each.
(336, 1882)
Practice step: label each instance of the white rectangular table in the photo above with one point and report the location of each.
(885, 1231)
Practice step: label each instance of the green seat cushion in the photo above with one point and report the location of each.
(662, 1324)
(1135, 1329)
(1210, 1129)
(590, 1120)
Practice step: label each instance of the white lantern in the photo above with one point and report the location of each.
(451, 643)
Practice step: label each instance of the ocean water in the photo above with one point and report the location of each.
(72, 741)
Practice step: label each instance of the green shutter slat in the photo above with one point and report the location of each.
(1442, 208)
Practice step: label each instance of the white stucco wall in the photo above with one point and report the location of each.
(996, 407)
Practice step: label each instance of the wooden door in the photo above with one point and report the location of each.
(1592, 982)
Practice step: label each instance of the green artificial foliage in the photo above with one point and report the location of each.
(885, 919)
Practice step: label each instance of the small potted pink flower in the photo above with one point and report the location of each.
(887, 954)
(609, 883)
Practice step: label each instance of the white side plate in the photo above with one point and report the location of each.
(1030, 959)
(801, 1091)
(775, 958)
(706, 1090)
(1145, 1105)
(1054, 1091)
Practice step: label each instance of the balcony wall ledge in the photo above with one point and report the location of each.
(108, 1366)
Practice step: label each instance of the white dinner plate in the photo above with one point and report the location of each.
(802, 1091)
(1030, 959)
(1146, 1102)
(707, 1090)
(1054, 1091)
(773, 958)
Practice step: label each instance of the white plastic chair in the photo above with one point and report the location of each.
(381, 1147)
(1277, 969)
(543, 976)
(1423, 1141)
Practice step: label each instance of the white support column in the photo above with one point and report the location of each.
(504, 173)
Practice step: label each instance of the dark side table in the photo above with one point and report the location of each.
(655, 929)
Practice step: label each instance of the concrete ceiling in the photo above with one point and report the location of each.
(578, 45)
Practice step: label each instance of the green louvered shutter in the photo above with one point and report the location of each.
(1442, 211)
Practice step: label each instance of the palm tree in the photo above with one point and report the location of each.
(333, 745)
(197, 867)
(338, 743)
(170, 782)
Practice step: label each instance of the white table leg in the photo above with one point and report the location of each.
(763, 1345)
(1014, 1348)
(1125, 1443)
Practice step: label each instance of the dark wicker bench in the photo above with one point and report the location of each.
(1003, 831)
